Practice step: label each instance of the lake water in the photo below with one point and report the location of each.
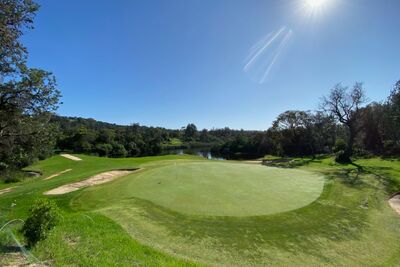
(202, 152)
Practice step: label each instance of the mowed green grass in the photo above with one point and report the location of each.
(81, 238)
(348, 224)
(222, 188)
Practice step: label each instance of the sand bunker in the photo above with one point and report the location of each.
(95, 180)
(394, 202)
(6, 190)
(68, 156)
(57, 174)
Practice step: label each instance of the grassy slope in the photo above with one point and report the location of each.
(174, 142)
(350, 224)
(82, 238)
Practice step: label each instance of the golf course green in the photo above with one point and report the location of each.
(187, 211)
(223, 189)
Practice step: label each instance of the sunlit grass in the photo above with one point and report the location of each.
(349, 225)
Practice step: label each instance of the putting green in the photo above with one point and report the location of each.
(225, 189)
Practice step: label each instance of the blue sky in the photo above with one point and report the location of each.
(168, 63)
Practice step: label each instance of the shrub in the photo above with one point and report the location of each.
(342, 157)
(118, 151)
(43, 216)
(340, 145)
(391, 148)
(103, 150)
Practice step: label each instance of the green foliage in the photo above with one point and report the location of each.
(391, 147)
(118, 151)
(190, 132)
(103, 150)
(340, 145)
(27, 95)
(43, 216)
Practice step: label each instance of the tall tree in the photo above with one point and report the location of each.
(344, 105)
(394, 108)
(190, 132)
(27, 96)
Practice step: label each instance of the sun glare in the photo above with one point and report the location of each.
(314, 6)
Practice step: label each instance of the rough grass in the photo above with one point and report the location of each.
(350, 224)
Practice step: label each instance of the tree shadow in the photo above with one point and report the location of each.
(10, 249)
(292, 162)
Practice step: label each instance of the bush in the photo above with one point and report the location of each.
(43, 216)
(340, 145)
(103, 150)
(391, 148)
(342, 157)
(118, 151)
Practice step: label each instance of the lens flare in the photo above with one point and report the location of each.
(264, 55)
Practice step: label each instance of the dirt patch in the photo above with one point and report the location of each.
(57, 174)
(94, 180)
(17, 259)
(68, 156)
(71, 241)
(6, 190)
(394, 202)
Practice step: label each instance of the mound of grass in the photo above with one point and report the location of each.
(218, 189)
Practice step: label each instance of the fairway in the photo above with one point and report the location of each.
(225, 189)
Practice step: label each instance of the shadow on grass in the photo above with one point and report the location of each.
(340, 214)
(297, 231)
(382, 174)
(292, 162)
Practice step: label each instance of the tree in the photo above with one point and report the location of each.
(27, 96)
(291, 127)
(118, 151)
(394, 108)
(344, 106)
(190, 132)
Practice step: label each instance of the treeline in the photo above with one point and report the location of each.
(344, 125)
(89, 136)
(104, 139)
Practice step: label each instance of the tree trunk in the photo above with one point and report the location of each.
(350, 142)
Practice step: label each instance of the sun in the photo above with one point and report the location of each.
(314, 5)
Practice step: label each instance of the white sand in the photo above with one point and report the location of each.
(95, 180)
(68, 156)
(394, 202)
(57, 174)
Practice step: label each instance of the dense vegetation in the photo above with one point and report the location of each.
(28, 96)
(342, 126)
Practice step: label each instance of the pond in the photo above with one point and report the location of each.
(204, 152)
